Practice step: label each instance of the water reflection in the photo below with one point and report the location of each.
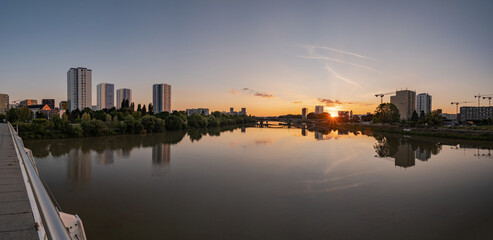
(80, 153)
(79, 166)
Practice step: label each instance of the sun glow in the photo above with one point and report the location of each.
(333, 111)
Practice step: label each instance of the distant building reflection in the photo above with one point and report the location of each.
(79, 165)
(161, 157)
(106, 158)
(423, 154)
(303, 130)
(405, 150)
(319, 135)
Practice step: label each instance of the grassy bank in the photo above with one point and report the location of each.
(471, 133)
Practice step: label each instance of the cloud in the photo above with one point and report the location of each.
(253, 92)
(264, 95)
(337, 75)
(297, 102)
(343, 62)
(310, 48)
(329, 102)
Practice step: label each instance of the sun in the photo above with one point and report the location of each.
(333, 111)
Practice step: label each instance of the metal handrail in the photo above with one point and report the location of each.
(52, 222)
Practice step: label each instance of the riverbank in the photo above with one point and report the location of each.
(443, 132)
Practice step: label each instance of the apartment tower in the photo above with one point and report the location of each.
(79, 88)
(423, 103)
(106, 95)
(405, 101)
(123, 94)
(161, 97)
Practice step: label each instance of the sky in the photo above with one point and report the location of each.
(272, 57)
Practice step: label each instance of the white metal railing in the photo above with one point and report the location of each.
(51, 223)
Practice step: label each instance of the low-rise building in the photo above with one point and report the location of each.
(343, 114)
(202, 111)
(49, 102)
(63, 105)
(4, 103)
(475, 113)
(28, 102)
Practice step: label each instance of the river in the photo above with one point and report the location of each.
(271, 183)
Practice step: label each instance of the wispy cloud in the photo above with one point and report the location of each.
(329, 103)
(337, 75)
(343, 62)
(264, 95)
(297, 102)
(253, 92)
(310, 48)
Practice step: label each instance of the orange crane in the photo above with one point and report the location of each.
(381, 96)
(457, 107)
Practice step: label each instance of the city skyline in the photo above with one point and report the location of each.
(269, 58)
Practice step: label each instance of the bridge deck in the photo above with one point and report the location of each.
(16, 217)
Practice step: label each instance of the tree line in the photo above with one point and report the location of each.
(114, 121)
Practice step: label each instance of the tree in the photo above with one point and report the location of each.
(414, 117)
(386, 113)
(422, 114)
(139, 108)
(150, 109)
(12, 115)
(144, 110)
(25, 114)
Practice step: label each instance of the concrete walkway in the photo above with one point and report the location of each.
(16, 217)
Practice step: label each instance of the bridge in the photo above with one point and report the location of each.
(26, 209)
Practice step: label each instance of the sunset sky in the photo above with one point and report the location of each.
(272, 57)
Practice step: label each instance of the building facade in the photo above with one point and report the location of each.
(49, 102)
(304, 112)
(405, 101)
(123, 94)
(161, 98)
(4, 103)
(319, 109)
(106, 96)
(28, 102)
(475, 113)
(423, 103)
(202, 111)
(63, 105)
(79, 88)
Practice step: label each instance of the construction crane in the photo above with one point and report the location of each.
(484, 96)
(489, 100)
(479, 98)
(457, 107)
(383, 94)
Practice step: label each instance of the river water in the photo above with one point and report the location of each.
(271, 183)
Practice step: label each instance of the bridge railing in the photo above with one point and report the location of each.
(47, 217)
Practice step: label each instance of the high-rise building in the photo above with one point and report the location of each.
(49, 102)
(243, 112)
(79, 88)
(161, 98)
(63, 105)
(423, 103)
(106, 95)
(28, 102)
(405, 101)
(319, 109)
(4, 103)
(304, 112)
(123, 94)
